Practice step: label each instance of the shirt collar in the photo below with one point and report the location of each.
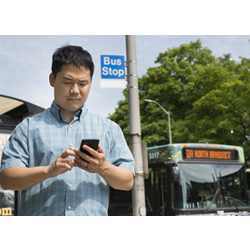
(55, 109)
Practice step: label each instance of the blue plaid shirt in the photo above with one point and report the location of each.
(40, 139)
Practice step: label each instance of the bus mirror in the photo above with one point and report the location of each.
(170, 163)
(145, 159)
(248, 194)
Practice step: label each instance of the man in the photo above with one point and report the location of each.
(42, 157)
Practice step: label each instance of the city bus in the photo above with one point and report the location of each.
(191, 179)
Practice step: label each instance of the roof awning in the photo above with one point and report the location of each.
(7, 104)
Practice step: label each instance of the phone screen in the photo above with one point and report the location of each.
(93, 143)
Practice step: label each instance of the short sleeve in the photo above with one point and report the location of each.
(120, 154)
(15, 152)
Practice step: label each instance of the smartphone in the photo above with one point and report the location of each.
(93, 143)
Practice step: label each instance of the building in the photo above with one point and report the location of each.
(12, 112)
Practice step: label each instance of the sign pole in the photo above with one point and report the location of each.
(138, 192)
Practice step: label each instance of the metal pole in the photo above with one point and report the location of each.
(138, 192)
(169, 119)
(169, 129)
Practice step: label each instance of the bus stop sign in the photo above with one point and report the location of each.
(113, 67)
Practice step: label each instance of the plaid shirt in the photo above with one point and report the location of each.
(40, 139)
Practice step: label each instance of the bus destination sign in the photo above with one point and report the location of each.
(209, 154)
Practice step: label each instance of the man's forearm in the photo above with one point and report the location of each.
(16, 178)
(118, 177)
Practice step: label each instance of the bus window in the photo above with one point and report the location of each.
(211, 186)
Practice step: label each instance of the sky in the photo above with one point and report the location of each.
(25, 62)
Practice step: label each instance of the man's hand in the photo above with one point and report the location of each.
(21, 178)
(95, 163)
(117, 177)
(63, 163)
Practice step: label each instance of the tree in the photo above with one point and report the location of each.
(208, 98)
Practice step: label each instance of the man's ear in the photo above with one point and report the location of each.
(52, 79)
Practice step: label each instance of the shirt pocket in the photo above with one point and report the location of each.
(47, 145)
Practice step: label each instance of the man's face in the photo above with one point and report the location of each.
(71, 87)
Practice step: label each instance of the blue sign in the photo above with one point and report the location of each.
(112, 67)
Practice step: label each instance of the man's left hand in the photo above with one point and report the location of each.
(95, 163)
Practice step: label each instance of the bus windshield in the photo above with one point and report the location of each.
(209, 186)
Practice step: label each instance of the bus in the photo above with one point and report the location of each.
(192, 179)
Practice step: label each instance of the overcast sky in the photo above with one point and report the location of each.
(25, 62)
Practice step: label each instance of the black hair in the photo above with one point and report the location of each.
(74, 55)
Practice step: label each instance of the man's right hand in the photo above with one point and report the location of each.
(20, 178)
(62, 164)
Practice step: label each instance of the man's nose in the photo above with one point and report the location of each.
(74, 89)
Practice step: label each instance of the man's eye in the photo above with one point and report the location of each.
(82, 84)
(67, 82)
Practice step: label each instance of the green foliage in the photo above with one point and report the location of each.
(208, 97)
